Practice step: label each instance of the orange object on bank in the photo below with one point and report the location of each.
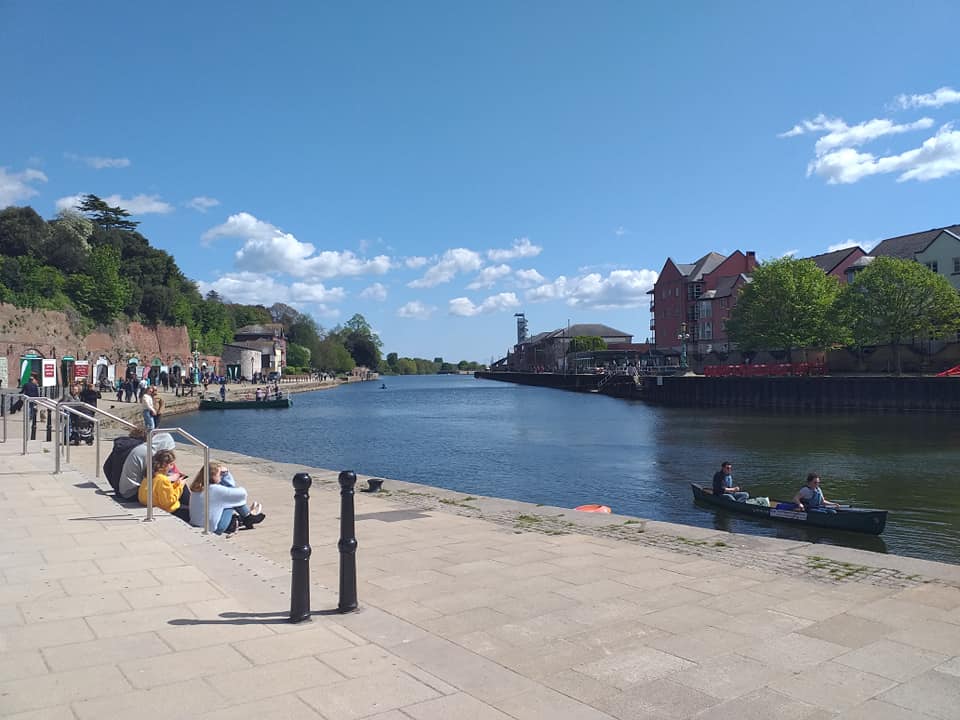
(593, 508)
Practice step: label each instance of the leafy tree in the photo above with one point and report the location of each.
(297, 355)
(333, 357)
(102, 293)
(406, 366)
(585, 343)
(285, 314)
(787, 305)
(105, 216)
(893, 301)
(360, 341)
(22, 231)
(244, 315)
(67, 245)
(305, 332)
(392, 361)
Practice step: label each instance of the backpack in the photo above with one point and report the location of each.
(113, 466)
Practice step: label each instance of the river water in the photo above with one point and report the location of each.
(547, 446)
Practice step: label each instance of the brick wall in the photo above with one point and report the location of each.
(50, 334)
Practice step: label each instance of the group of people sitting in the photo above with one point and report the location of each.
(126, 471)
(809, 498)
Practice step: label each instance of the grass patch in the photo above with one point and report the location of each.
(691, 541)
(719, 543)
(631, 522)
(529, 519)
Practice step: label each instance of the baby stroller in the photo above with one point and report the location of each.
(81, 430)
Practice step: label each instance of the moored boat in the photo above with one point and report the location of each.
(215, 404)
(862, 520)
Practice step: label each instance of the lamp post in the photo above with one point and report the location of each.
(196, 364)
(683, 336)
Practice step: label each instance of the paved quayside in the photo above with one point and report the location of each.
(470, 608)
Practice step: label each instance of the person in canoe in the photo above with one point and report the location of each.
(810, 497)
(723, 483)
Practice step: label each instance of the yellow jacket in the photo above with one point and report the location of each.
(166, 494)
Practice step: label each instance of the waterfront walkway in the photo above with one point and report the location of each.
(471, 608)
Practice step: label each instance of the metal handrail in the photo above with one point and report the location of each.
(96, 421)
(27, 400)
(66, 408)
(206, 472)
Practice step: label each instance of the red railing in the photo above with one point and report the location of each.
(801, 369)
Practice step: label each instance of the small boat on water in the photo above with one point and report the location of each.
(862, 520)
(216, 404)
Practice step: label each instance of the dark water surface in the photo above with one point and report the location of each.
(561, 448)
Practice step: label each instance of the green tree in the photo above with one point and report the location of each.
(788, 304)
(360, 341)
(105, 216)
(893, 301)
(101, 293)
(392, 361)
(297, 355)
(333, 357)
(67, 244)
(586, 343)
(22, 231)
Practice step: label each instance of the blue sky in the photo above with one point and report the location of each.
(439, 166)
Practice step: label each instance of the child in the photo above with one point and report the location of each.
(168, 486)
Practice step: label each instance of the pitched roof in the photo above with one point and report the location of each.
(907, 246)
(695, 271)
(587, 330)
(828, 261)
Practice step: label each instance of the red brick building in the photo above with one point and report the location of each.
(694, 300)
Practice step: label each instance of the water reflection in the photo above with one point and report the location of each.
(567, 449)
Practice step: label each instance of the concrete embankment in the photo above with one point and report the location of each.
(176, 405)
(469, 607)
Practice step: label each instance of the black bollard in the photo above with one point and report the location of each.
(49, 426)
(300, 551)
(347, 544)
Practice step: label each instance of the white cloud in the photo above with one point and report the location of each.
(842, 245)
(247, 288)
(457, 260)
(415, 309)
(105, 162)
(98, 162)
(266, 248)
(938, 98)
(140, 204)
(377, 292)
(70, 202)
(865, 132)
(488, 276)
(839, 134)
(415, 262)
(621, 231)
(202, 203)
(315, 292)
(15, 187)
(619, 289)
(256, 288)
(528, 278)
(521, 248)
(464, 307)
(937, 157)
(789, 253)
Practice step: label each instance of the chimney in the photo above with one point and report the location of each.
(751, 260)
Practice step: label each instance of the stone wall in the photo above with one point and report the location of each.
(51, 334)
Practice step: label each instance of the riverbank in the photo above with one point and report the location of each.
(177, 405)
(520, 611)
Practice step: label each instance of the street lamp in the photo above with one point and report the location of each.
(683, 336)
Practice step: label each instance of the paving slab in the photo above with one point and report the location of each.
(466, 610)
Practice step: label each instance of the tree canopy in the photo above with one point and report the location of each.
(787, 305)
(893, 300)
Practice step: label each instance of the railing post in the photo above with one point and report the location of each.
(300, 550)
(347, 544)
(49, 425)
(149, 478)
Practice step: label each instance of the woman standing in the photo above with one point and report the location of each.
(149, 409)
